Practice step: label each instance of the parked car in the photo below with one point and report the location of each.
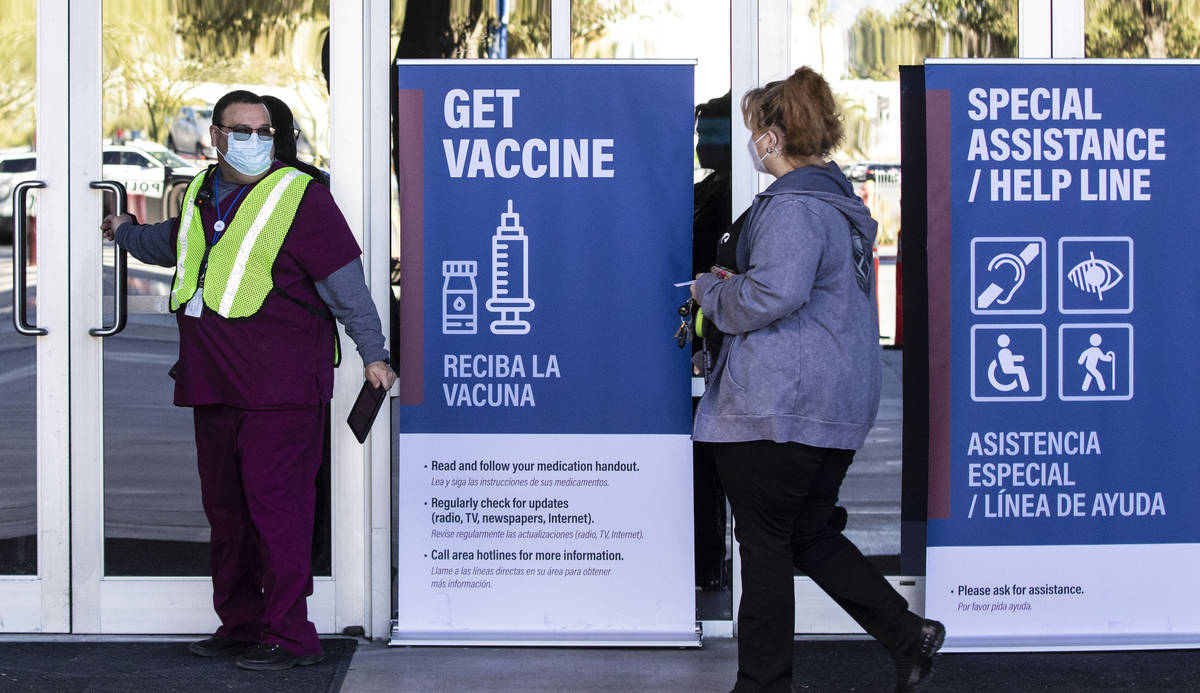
(15, 166)
(882, 172)
(150, 170)
(869, 170)
(144, 168)
(189, 132)
(858, 171)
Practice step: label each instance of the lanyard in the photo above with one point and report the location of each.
(219, 226)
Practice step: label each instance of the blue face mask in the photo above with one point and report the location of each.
(248, 157)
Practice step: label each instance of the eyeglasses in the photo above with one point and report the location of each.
(242, 133)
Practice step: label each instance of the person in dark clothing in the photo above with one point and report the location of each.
(795, 389)
(710, 219)
(711, 197)
(286, 136)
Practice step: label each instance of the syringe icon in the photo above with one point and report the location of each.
(510, 275)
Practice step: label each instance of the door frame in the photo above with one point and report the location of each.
(98, 604)
(69, 593)
(361, 183)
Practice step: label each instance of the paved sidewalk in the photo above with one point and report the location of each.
(820, 664)
(377, 668)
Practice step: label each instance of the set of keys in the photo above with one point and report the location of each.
(683, 336)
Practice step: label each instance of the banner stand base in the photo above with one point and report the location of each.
(540, 639)
(1071, 643)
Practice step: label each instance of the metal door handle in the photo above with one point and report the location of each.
(120, 288)
(20, 193)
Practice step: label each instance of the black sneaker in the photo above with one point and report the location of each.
(219, 646)
(274, 658)
(914, 666)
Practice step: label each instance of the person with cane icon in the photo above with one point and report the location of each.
(1092, 356)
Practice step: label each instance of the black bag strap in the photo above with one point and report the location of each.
(324, 314)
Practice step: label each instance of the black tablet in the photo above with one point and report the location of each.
(365, 408)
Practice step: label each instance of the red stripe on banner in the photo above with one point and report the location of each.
(937, 134)
(410, 139)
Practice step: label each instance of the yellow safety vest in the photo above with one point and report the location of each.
(238, 274)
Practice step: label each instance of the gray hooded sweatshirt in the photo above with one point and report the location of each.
(801, 362)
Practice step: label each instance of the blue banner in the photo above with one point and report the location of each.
(545, 459)
(555, 221)
(1060, 197)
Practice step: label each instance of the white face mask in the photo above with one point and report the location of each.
(248, 157)
(752, 145)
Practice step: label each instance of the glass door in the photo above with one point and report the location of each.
(34, 548)
(140, 545)
(101, 525)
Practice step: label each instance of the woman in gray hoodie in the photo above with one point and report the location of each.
(795, 388)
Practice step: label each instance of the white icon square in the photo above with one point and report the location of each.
(1008, 363)
(1095, 274)
(1008, 275)
(1095, 362)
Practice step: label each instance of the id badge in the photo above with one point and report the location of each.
(194, 305)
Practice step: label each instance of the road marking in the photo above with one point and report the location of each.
(17, 374)
(140, 357)
(128, 357)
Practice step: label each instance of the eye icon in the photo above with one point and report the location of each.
(1095, 276)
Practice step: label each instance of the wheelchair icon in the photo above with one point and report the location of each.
(1009, 364)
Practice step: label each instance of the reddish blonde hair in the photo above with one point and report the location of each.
(803, 107)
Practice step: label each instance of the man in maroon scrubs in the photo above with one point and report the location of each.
(259, 377)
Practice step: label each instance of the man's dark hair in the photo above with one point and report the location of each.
(235, 96)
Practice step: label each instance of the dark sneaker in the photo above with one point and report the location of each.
(274, 658)
(914, 666)
(218, 646)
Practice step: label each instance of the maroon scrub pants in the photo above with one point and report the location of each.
(257, 478)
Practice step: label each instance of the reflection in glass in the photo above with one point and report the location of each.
(166, 63)
(1121, 29)
(18, 357)
(859, 45)
(471, 29)
(649, 29)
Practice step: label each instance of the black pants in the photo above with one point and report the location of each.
(783, 495)
(708, 506)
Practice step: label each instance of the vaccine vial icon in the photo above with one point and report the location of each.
(510, 275)
(459, 297)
